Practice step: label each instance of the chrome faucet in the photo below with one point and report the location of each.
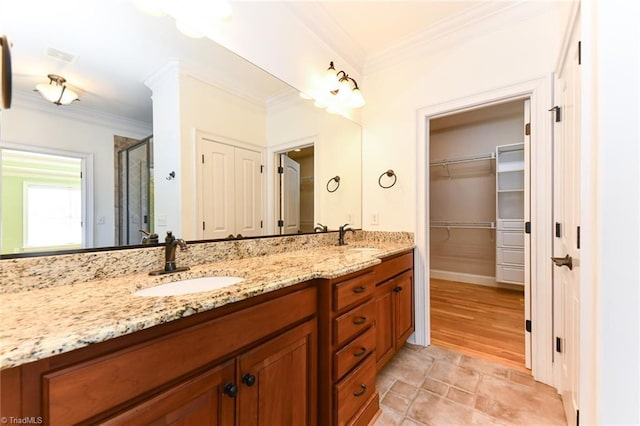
(171, 243)
(341, 233)
(321, 228)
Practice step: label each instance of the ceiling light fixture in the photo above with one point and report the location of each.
(56, 91)
(344, 87)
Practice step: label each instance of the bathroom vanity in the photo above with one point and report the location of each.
(299, 345)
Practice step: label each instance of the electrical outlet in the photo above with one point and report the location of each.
(349, 218)
(100, 220)
(375, 218)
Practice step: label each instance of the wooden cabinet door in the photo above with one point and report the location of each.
(383, 300)
(277, 380)
(404, 317)
(201, 400)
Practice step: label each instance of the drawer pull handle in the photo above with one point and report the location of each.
(361, 352)
(397, 289)
(360, 289)
(359, 321)
(230, 389)
(248, 379)
(362, 391)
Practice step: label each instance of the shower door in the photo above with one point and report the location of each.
(134, 193)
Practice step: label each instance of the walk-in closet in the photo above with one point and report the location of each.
(478, 190)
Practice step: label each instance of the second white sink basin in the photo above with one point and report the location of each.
(188, 286)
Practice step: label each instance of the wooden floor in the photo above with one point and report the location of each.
(485, 322)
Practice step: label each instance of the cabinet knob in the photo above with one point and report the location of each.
(248, 379)
(230, 389)
(361, 352)
(360, 289)
(397, 289)
(360, 320)
(363, 389)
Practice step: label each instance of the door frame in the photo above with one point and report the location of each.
(86, 185)
(540, 93)
(273, 186)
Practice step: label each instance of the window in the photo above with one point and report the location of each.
(52, 215)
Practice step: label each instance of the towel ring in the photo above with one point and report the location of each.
(337, 180)
(389, 173)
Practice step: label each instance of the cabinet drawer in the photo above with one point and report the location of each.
(349, 356)
(352, 291)
(510, 274)
(353, 322)
(355, 390)
(392, 267)
(514, 225)
(510, 239)
(115, 378)
(511, 256)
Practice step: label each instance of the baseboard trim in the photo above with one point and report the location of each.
(472, 279)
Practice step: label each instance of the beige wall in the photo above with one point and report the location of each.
(523, 49)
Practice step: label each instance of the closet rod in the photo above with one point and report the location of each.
(489, 156)
(464, 225)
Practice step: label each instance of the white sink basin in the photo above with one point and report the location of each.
(188, 286)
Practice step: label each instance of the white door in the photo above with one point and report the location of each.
(289, 195)
(248, 193)
(566, 212)
(217, 200)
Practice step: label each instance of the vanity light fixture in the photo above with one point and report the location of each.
(344, 87)
(56, 91)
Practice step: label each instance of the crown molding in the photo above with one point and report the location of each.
(189, 70)
(315, 17)
(34, 102)
(485, 17)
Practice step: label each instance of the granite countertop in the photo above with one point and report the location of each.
(45, 322)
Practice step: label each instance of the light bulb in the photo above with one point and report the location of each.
(357, 100)
(331, 82)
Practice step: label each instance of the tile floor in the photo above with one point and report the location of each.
(435, 386)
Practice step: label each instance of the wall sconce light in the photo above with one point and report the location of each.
(56, 91)
(345, 87)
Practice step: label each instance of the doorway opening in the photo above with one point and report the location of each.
(478, 204)
(295, 190)
(44, 199)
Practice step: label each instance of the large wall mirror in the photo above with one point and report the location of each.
(169, 133)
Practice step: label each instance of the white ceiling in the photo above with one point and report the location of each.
(378, 25)
(116, 47)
